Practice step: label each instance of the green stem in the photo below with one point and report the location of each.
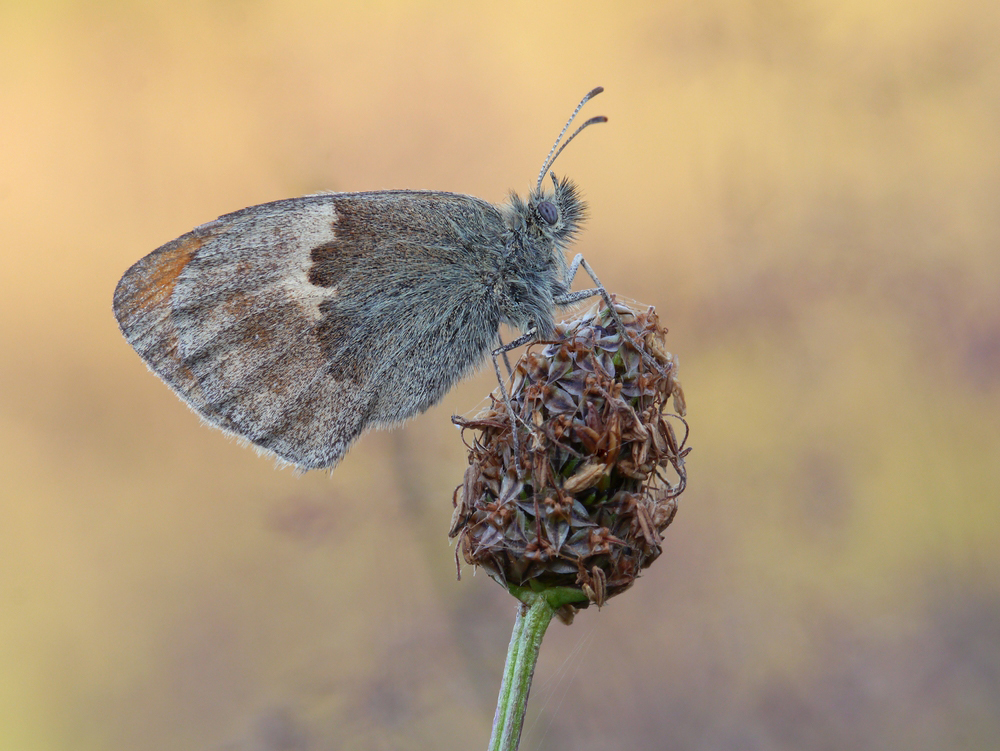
(533, 616)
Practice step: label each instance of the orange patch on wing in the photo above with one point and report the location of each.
(142, 305)
(161, 275)
(148, 285)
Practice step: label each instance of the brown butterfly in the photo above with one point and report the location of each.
(299, 324)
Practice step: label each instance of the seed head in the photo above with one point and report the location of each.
(585, 504)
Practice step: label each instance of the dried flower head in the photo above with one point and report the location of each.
(600, 465)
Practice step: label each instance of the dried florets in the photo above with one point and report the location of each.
(600, 467)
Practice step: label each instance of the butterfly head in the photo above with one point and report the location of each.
(554, 216)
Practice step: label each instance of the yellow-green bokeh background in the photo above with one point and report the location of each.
(808, 192)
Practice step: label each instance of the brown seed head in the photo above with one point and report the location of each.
(585, 504)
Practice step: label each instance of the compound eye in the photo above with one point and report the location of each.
(548, 211)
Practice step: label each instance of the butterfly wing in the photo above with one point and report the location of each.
(290, 324)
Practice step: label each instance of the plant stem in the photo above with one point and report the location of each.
(522, 654)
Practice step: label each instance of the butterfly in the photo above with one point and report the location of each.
(299, 324)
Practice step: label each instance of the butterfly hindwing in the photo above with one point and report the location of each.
(284, 323)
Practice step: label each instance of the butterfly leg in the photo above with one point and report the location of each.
(503, 349)
(585, 294)
(571, 297)
(506, 360)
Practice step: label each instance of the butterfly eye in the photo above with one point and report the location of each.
(548, 212)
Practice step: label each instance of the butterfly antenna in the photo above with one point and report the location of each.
(553, 152)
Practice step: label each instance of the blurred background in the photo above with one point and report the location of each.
(809, 193)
